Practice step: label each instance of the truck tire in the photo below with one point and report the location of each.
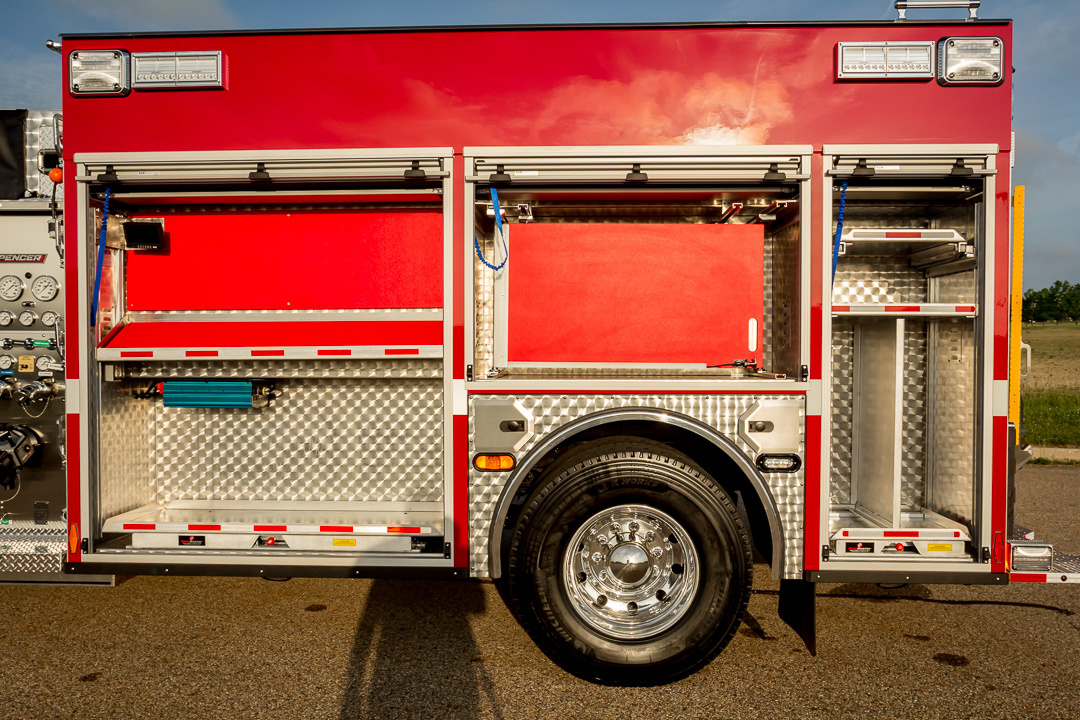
(629, 564)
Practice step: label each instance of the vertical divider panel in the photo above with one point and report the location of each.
(877, 427)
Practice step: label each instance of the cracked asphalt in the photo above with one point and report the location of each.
(248, 648)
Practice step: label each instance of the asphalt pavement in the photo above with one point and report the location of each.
(250, 648)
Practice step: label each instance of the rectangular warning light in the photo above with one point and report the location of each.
(177, 69)
(885, 60)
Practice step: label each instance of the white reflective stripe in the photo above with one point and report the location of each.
(1001, 397)
(813, 397)
(753, 334)
(71, 397)
(461, 405)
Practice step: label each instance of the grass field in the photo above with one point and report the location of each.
(1051, 392)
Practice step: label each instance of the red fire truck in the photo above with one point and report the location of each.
(598, 312)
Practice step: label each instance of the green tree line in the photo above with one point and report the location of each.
(1057, 303)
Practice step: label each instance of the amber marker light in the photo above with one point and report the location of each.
(497, 463)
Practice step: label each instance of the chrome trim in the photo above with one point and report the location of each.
(525, 466)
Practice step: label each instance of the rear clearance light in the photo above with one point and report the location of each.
(779, 463)
(1029, 556)
(98, 72)
(885, 60)
(966, 61)
(494, 463)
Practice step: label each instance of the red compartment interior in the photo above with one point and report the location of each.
(634, 293)
(269, 258)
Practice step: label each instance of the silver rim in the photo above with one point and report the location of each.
(630, 572)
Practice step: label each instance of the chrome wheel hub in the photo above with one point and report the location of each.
(631, 572)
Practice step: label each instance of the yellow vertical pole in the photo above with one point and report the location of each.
(1016, 307)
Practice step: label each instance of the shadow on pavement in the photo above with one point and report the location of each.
(414, 654)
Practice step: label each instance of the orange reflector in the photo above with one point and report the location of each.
(73, 539)
(494, 462)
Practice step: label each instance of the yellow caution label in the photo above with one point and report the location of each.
(26, 363)
(351, 542)
(939, 547)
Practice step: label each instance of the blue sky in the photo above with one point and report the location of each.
(1047, 59)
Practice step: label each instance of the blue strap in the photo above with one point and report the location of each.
(100, 258)
(839, 229)
(502, 235)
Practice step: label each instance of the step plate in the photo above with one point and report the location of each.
(1066, 569)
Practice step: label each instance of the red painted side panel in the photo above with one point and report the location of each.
(460, 454)
(277, 334)
(647, 86)
(634, 293)
(812, 533)
(277, 259)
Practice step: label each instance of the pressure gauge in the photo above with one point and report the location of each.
(27, 318)
(44, 363)
(6, 318)
(49, 318)
(11, 288)
(45, 287)
(6, 361)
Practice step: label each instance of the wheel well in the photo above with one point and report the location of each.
(700, 449)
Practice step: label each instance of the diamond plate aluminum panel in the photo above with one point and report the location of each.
(39, 136)
(842, 404)
(326, 369)
(26, 547)
(951, 482)
(551, 411)
(125, 433)
(913, 417)
(877, 279)
(484, 297)
(1064, 563)
(351, 440)
(955, 288)
(783, 261)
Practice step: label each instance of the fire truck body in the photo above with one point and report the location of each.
(351, 303)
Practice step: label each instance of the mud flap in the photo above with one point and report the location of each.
(798, 608)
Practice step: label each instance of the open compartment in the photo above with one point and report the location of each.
(905, 318)
(267, 376)
(693, 267)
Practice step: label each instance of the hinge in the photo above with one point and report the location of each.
(824, 548)
(85, 545)
(804, 373)
(984, 555)
(446, 551)
(468, 373)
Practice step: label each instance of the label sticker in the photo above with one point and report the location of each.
(344, 542)
(859, 547)
(26, 363)
(939, 547)
(21, 258)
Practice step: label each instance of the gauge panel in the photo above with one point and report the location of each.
(45, 287)
(49, 318)
(6, 318)
(27, 318)
(11, 288)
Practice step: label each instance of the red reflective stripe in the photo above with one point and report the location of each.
(139, 526)
(965, 308)
(902, 533)
(841, 308)
(956, 533)
(336, 528)
(1027, 577)
(201, 353)
(136, 353)
(406, 351)
(270, 528)
(903, 308)
(334, 352)
(903, 234)
(402, 529)
(203, 527)
(267, 353)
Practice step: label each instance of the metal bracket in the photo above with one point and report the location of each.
(446, 551)
(972, 6)
(825, 553)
